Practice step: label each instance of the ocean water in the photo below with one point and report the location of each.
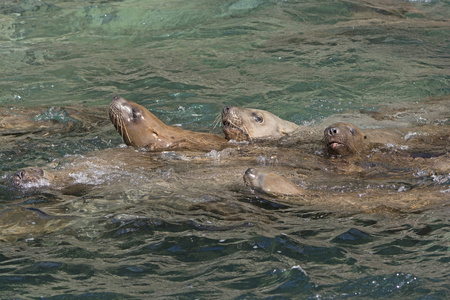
(176, 226)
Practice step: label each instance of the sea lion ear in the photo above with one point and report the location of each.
(365, 137)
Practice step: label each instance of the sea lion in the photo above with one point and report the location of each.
(17, 221)
(32, 177)
(140, 128)
(35, 178)
(21, 121)
(77, 172)
(241, 124)
(344, 139)
(271, 183)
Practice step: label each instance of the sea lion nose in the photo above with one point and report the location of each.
(118, 100)
(332, 131)
(19, 175)
(226, 109)
(250, 172)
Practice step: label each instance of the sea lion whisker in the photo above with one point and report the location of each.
(125, 131)
(240, 126)
(245, 131)
(236, 123)
(119, 125)
(121, 128)
(217, 120)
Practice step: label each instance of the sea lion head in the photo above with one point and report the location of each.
(344, 139)
(251, 178)
(242, 124)
(31, 178)
(270, 183)
(137, 126)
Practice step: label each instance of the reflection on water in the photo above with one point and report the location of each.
(124, 223)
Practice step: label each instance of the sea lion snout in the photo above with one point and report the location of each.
(250, 175)
(26, 175)
(117, 100)
(344, 139)
(271, 183)
(332, 131)
(333, 138)
(230, 112)
(32, 176)
(19, 175)
(233, 126)
(225, 110)
(250, 172)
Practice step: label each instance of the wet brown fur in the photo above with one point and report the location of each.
(140, 128)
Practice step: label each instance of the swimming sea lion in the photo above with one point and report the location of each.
(35, 178)
(17, 222)
(84, 171)
(140, 128)
(32, 177)
(271, 183)
(242, 124)
(345, 139)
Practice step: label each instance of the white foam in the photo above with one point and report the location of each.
(441, 179)
(298, 267)
(396, 146)
(214, 154)
(36, 184)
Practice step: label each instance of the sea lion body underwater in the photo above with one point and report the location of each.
(242, 124)
(140, 128)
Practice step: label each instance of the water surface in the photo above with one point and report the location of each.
(174, 226)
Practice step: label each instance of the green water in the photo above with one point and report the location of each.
(157, 233)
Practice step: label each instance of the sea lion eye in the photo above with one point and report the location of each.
(352, 131)
(135, 114)
(258, 119)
